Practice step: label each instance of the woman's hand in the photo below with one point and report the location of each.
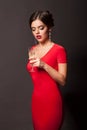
(58, 75)
(37, 62)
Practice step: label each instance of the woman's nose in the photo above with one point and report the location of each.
(37, 31)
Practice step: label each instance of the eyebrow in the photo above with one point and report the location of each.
(38, 26)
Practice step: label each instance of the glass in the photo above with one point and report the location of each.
(31, 54)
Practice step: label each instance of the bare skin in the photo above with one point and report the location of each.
(41, 33)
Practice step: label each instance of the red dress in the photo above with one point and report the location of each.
(47, 107)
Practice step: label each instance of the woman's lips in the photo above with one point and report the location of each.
(38, 36)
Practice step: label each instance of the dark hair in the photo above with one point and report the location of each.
(45, 16)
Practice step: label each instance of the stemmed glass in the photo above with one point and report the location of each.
(31, 54)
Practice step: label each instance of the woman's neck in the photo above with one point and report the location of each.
(46, 43)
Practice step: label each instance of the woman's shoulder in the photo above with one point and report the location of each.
(59, 46)
(33, 46)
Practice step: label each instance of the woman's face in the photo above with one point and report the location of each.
(40, 31)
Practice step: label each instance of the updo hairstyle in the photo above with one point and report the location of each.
(45, 16)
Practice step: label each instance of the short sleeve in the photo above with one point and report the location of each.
(62, 55)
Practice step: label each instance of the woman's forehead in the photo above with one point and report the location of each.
(36, 23)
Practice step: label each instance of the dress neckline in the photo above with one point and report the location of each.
(48, 51)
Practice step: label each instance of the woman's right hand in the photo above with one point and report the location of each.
(37, 62)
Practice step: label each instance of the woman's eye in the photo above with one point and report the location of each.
(41, 28)
(33, 29)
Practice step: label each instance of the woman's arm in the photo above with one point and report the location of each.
(59, 76)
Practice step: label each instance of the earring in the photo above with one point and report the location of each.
(50, 35)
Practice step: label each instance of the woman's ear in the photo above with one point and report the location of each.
(50, 29)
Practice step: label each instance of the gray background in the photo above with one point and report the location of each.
(15, 82)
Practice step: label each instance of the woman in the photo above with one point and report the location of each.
(50, 70)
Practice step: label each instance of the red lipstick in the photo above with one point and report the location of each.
(38, 36)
